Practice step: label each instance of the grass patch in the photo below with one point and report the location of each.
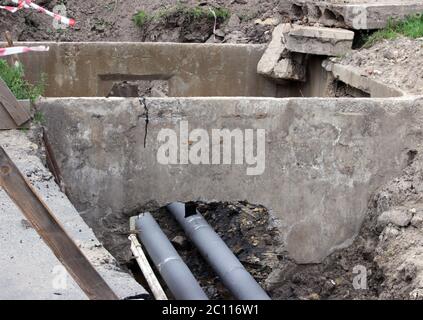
(411, 27)
(199, 13)
(191, 14)
(141, 18)
(22, 89)
(39, 117)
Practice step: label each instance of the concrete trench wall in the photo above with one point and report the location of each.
(324, 158)
(89, 69)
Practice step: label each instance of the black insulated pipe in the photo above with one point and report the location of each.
(232, 273)
(171, 267)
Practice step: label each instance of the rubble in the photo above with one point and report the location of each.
(400, 217)
(290, 68)
(275, 50)
(277, 62)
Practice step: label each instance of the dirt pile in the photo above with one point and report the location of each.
(98, 20)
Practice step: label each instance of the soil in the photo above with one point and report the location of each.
(99, 20)
(392, 62)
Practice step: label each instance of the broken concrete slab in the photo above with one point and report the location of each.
(355, 14)
(277, 62)
(319, 40)
(356, 79)
(275, 50)
(292, 68)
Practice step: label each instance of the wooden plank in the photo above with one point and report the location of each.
(6, 121)
(12, 106)
(51, 231)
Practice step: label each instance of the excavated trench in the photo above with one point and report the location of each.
(301, 222)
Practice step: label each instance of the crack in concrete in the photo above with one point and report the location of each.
(147, 120)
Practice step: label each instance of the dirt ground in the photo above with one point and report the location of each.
(111, 20)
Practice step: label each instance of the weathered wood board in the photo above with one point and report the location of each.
(12, 114)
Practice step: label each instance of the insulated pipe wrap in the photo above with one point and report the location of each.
(173, 270)
(232, 273)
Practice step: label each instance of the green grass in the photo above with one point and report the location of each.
(191, 14)
(198, 13)
(22, 89)
(411, 27)
(39, 117)
(141, 18)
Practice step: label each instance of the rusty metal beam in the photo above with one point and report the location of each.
(51, 231)
(52, 163)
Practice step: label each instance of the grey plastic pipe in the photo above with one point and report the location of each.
(173, 270)
(232, 273)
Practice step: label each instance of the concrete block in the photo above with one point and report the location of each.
(275, 50)
(319, 40)
(290, 69)
(277, 62)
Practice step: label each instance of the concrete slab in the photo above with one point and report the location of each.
(355, 14)
(28, 268)
(292, 68)
(319, 40)
(354, 78)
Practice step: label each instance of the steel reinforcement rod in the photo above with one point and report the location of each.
(232, 273)
(171, 267)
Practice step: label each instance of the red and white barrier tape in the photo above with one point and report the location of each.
(16, 50)
(10, 9)
(29, 4)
